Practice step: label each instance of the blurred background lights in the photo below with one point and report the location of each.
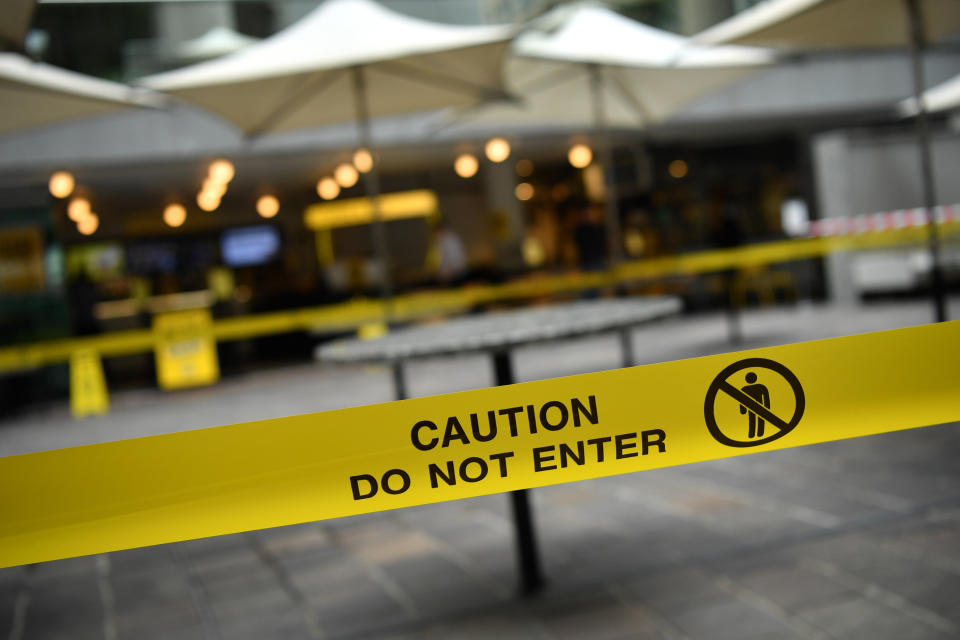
(524, 168)
(88, 225)
(346, 175)
(363, 161)
(214, 188)
(678, 168)
(174, 215)
(221, 171)
(328, 189)
(61, 184)
(208, 201)
(580, 156)
(268, 206)
(78, 209)
(466, 165)
(524, 191)
(497, 150)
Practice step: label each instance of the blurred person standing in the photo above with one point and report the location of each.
(590, 236)
(448, 255)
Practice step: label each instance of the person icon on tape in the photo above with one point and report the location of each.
(761, 394)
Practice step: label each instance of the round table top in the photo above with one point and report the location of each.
(501, 329)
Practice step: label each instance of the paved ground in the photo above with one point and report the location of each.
(853, 539)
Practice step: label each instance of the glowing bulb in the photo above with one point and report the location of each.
(345, 175)
(678, 168)
(213, 188)
(221, 171)
(580, 156)
(88, 225)
(174, 215)
(524, 191)
(78, 209)
(61, 184)
(268, 206)
(497, 150)
(466, 165)
(363, 161)
(524, 168)
(328, 189)
(208, 201)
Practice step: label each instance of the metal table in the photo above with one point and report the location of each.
(497, 333)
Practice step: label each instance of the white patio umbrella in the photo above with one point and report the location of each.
(943, 97)
(587, 65)
(34, 93)
(347, 60)
(845, 24)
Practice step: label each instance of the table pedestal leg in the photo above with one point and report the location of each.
(626, 346)
(531, 578)
(399, 382)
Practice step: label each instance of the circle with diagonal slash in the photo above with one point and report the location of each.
(721, 384)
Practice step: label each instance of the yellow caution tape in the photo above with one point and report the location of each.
(221, 480)
(353, 314)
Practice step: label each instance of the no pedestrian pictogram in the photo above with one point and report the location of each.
(762, 417)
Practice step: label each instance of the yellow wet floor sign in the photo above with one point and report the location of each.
(88, 389)
(186, 353)
(254, 475)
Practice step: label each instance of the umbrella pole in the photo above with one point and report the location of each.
(614, 245)
(918, 44)
(371, 181)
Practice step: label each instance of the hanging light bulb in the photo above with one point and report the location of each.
(78, 209)
(221, 171)
(524, 191)
(88, 225)
(497, 150)
(208, 201)
(466, 165)
(61, 184)
(345, 175)
(268, 206)
(174, 215)
(327, 188)
(363, 160)
(580, 156)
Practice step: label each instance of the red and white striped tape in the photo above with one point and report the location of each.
(882, 221)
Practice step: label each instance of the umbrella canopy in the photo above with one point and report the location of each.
(646, 73)
(832, 24)
(943, 97)
(218, 41)
(33, 93)
(301, 77)
(15, 16)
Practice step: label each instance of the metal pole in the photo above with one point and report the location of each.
(371, 180)
(918, 45)
(531, 577)
(615, 246)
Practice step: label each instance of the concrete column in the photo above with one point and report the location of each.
(830, 155)
(182, 21)
(500, 183)
(693, 16)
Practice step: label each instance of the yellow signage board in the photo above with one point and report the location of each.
(185, 350)
(353, 211)
(88, 390)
